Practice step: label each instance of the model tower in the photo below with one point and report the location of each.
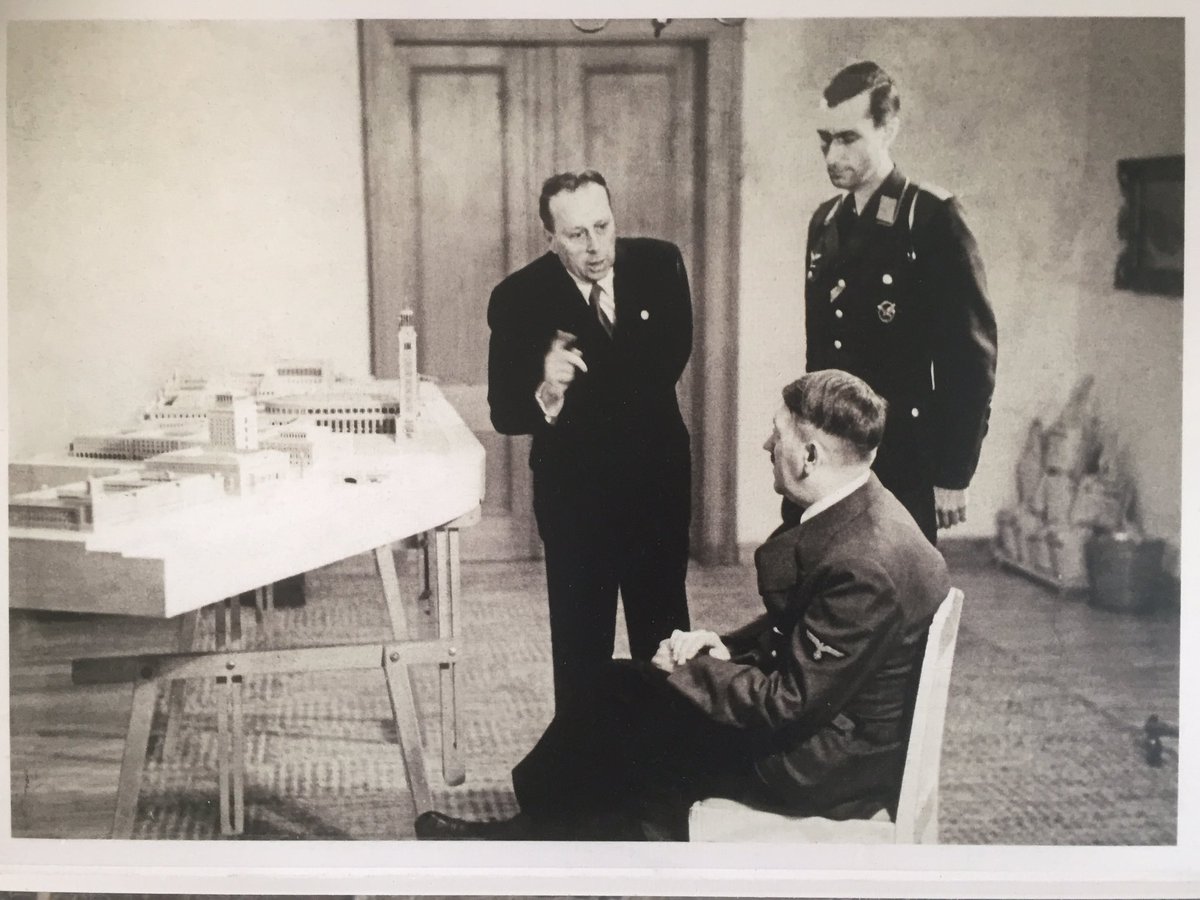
(406, 421)
(233, 423)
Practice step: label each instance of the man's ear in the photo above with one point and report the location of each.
(890, 129)
(814, 454)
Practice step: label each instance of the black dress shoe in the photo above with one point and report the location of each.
(435, 826)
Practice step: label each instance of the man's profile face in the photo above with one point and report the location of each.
(584, 235)
(856, 151)
(787, 447)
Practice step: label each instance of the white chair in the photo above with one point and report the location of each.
(721, 819)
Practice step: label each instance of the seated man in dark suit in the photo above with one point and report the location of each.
(805, 709)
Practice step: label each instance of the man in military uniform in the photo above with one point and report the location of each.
(804, 709)
(895, 293)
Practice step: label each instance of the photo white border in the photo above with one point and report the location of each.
(621, 869)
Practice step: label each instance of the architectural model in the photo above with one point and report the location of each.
(204, 438)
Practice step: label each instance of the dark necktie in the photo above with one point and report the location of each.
(594, 300)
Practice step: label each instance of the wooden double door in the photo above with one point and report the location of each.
(460, 137)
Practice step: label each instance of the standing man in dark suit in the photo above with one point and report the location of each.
(587, 345)
(805, 709)
(896, 294)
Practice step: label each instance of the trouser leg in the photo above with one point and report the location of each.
(582, 589)
(636, 749)
(654, 587)
(653, 542)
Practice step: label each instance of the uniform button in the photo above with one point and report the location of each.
(841, 282)
(838, 313)
(887, 279)
(915, 412)
(774, 654)
(837, 345)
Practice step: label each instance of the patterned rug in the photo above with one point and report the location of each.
(1026, 760)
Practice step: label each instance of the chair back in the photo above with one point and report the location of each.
(917, 810)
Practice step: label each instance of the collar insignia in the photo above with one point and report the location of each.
(887, 311)
(887, 211)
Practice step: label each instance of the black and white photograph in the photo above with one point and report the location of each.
(649, 445)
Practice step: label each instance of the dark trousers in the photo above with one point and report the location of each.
(632, 539)
(626, 763)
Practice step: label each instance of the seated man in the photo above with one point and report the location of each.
(805, 709)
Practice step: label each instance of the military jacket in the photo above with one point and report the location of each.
(827, 676)
(899, 298)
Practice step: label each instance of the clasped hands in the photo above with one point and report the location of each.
(684, 645)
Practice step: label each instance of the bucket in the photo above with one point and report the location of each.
(1123, 572)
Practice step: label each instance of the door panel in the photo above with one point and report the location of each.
(460, 214)
(632, 112)
(448, 147)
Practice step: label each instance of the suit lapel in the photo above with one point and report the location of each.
(623, 288)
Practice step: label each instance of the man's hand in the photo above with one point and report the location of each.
(951, 506)
(684, 645)
(662, 657)
(562, 361)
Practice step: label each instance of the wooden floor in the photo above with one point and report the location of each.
(66, 741)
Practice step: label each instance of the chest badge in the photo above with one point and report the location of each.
(887, 311)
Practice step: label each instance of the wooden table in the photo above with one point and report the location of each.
(183, 561)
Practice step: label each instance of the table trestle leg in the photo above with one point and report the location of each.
(449, 585)
(408, 730)
(137, 738)
(230, 727)
(189, 628)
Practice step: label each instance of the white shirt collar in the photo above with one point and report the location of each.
(834, 496)
(585, 287)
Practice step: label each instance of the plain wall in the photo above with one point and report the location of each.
(180, 194)
(1024, 120)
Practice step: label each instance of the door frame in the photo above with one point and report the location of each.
(714, 354)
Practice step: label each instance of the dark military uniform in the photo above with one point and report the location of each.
(810, 715)
(897, 296)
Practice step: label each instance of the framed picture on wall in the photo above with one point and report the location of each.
(1151, 225)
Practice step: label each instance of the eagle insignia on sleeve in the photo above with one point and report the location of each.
(820, 648)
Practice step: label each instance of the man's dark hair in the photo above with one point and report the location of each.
(567, 181)
(866, 76)
(841, 405)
